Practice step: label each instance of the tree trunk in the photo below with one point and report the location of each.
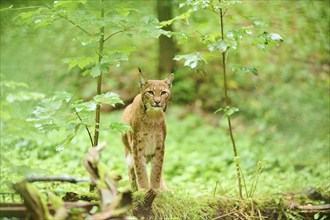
(167, 46)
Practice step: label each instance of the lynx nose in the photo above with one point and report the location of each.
(157, 102)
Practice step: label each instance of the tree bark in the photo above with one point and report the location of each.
(167, 47)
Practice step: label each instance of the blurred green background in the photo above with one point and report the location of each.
(284, 110)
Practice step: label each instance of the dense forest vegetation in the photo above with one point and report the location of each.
(68, 68)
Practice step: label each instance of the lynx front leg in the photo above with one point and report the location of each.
(140, 166)
(131, 172)
(156, 178)
(163, 186)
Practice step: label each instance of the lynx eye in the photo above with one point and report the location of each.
(163, 93)
(150, 92)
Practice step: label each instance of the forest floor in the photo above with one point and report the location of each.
(284, 177)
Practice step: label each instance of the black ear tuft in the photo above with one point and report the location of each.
(143, 79)
(169, 80)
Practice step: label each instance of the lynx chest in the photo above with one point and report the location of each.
(152, 136)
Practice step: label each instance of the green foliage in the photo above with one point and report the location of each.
(244, 69)
(109, 98)
(121, 127)
(228, 111)
(223, 44)
(81, 62)
(283, 119)
(91, 19)
(212, 40)
(61, 112)
(193, 60)
(14, 127)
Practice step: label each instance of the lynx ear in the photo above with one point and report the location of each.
(169, 80)
(143, 79)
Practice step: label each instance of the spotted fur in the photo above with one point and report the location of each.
(146, 143)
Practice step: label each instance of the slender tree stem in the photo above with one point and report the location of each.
(238, 171)
(99, 81)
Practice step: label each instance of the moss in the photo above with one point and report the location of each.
(185, 206)
(176, 206)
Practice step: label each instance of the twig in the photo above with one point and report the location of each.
(224, 215)
(325, 207)
(111, 35)
(89, 133)
(215, 188)
(72, 22)
(76, 25)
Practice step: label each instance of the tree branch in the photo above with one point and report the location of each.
(89, 133)
(76, 25)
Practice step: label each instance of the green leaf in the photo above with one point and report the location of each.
(227, 110)
(220, 45)
(150, 27)
(64, 96)
(44, 21)
(13, 84)
(84, 106)
(109, 98)
(116, 57)
(269, 39)
(47, 108)
(72, 129)
(244, 69)
(196, 4)
(125, 11)
(45, 116)
(121, 127)
(24, 96)
(81, 62)
(230, 110)
(96, 70)
(276, 37)
(193, 60)
(86, 72)
(27, 17)
(85, 40)
(224, 4)
(258, 23)
(183, 16)
(218, 110)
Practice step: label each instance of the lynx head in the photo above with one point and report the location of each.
(155, 93)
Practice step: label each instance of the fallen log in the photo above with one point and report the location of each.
(63, 178)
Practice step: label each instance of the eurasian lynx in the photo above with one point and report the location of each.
(146, 115)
